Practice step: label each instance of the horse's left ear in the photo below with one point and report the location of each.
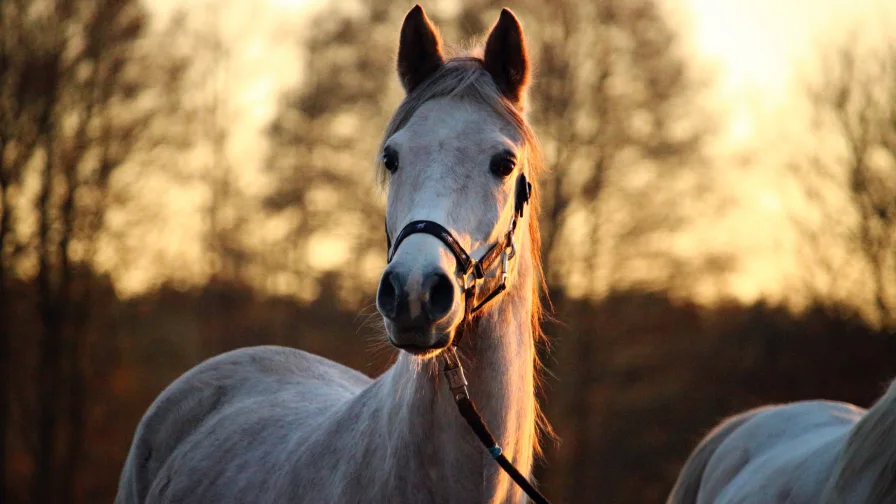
(505, 57)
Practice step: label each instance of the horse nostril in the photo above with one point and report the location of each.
(387, 296)
(441, 296)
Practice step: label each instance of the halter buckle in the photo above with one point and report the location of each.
(454, 372)
(509, 253)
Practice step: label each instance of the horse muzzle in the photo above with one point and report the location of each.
(420, 310)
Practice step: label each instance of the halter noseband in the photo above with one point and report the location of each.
(471, 271)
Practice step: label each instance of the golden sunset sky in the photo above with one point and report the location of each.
(757, 51)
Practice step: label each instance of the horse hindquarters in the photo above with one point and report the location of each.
(173, 416)
(687, 486)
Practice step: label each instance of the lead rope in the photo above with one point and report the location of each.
(457, 382)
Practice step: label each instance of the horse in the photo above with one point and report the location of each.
(812, 452)
(272, 424)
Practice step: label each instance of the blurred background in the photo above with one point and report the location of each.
(177, 181)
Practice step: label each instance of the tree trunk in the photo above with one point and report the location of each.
(69, 358)
(5, 343)
(880, 288)
(583, 380)
(554, 216)
(44, 481)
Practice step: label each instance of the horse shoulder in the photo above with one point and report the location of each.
(195, 397)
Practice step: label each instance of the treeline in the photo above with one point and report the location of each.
(659, 373)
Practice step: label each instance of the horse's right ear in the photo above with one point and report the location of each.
(419, 50)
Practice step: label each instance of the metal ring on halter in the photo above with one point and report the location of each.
(505, 261)
(467, 279)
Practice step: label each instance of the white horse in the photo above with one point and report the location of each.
(278, 425)
(809, 452)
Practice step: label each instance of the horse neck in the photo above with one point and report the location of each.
(498, 355)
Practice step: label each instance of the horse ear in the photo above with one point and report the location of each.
(505, 57)
(419, 50)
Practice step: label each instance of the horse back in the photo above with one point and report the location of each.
(216, 386)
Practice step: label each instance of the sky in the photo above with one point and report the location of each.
(761, 53)
(758, 52)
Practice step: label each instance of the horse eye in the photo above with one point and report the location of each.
(502, 165)
(390, 159)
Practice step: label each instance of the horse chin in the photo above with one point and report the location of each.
(440, 341)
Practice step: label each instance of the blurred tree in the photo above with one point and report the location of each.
(225, 211)
(77, 102)
(616, 106)
(15, 109)
(849, 179)
(323, 144)
(18, 135)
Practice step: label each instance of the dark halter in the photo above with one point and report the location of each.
(471, 272)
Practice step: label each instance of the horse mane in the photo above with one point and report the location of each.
(466, 78)
(868, 456)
